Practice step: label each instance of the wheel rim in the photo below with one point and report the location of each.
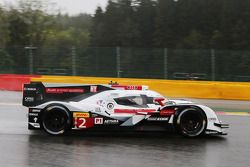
(191, 122)
(55, 121)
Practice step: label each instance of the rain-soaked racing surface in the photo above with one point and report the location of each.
(21, 147)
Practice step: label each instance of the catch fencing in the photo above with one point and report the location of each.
(120, 62)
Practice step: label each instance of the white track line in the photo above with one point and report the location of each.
(10, 104)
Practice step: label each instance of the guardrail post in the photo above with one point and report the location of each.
(118, 61)
(213, 64)
(73, 54)
(165, 61)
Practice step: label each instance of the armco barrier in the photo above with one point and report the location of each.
(191, 89)
(14, 82)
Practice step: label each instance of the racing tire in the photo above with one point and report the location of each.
(191, 122)
(56, 120)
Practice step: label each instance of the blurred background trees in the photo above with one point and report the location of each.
(187, 24)
(172, 24)
(190, 24)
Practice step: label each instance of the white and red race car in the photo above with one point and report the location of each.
(59, 108)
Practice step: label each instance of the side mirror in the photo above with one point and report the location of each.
(159, 101)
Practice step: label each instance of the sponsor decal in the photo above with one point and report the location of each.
(158, 119)
(134, 111)
(167, 112)
(98, 121)
(35, 110)
(93, 89)
(100, 103)
(211, 132)
(212, 119)
(63, 90)
(30, 89)
(111, 122)
(33, 114)
(127, 87)
(110, 106)
(35, 119)
(81, 114)
(36, 125)
(29, 99)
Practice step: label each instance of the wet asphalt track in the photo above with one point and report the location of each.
(20, 147)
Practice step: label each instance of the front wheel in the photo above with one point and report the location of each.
(56, 120)
(191, 122)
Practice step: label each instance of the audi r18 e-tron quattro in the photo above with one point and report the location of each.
(60, 108)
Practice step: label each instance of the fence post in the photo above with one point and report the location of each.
(213, 64)
(31, 61)
(118, 61)
(73, 54)
(165, 61)
(31, 58)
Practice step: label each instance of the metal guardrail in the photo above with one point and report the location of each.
(242, 78)
(43, 71)
(51, 71)
(189, 76)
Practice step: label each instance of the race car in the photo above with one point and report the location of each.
(60, 108)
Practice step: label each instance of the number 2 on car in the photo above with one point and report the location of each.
(81, 123)
(82, 120)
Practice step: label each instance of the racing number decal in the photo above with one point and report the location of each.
(81, 125)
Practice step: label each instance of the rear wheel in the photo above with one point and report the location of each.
(191, 122)
(56, 120)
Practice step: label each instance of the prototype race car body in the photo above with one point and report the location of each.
(58, 108)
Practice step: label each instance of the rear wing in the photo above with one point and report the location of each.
(37, 93)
